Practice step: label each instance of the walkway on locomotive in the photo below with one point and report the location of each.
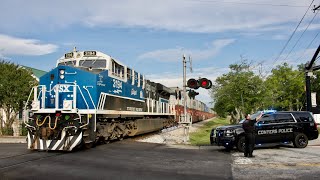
(93, 82)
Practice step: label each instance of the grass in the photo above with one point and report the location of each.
(202, 135)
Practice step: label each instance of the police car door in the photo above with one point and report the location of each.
(266, 129)
(286, 126)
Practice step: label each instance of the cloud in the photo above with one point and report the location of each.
(17, 46)
(175, 54)
(192, 16)
(179, 15)
(280, 37)
(311, 27)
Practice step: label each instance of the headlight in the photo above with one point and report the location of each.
(62, 71)
(229, 132)
(61, 76)
(67, 104)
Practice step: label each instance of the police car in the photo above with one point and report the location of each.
(274, 127)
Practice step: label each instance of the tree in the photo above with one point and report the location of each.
(287, 87)
(15, 85)
(238, 92)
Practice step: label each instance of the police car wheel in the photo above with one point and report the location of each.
(241, 143)
(300, 140)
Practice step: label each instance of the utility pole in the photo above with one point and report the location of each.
(309, 68)
(316, 8)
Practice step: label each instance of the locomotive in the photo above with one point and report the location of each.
(90, 97)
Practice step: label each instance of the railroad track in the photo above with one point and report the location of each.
(143, 136)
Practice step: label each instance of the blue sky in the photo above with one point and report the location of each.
(151, 36)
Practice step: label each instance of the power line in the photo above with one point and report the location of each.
(301, 35)
(248, 3)
(292, 34)
(308, 46)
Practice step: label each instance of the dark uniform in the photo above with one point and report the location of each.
(249, 128)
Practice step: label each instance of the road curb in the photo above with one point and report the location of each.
(13, 139)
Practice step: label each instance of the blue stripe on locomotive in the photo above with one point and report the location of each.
(95, 83)
(117, 87)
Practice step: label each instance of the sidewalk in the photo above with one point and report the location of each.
(315, 142)
(13, 139)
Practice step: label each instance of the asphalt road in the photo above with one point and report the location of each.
(120, 160)
(137, 160)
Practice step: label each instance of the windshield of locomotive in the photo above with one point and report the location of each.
(67, 63)
(93, 63)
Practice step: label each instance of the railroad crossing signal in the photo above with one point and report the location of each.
(177, 94)
(193, 84)
(192, 94)
(202, 82)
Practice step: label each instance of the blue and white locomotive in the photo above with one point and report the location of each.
(92, 97)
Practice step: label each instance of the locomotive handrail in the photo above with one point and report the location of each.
(86, 88)
(56, 89)
(82, 96)
(27, 112)
(95, 112)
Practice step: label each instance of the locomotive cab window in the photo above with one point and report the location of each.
(141, 80)
(67, 63)
(129, 74)
(94, 63)
(117, 69)
(136, 79)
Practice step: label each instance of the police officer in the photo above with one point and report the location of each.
(249, 129)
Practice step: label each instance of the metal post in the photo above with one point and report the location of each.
(308, 90)
(186, 126)
(184, 88)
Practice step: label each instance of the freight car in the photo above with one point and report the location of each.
(89, 97)
(198, 110)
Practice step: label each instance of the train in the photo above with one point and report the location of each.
(91, 97)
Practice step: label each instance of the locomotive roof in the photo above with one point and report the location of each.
(86, 55)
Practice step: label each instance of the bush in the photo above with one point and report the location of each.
(24, 130)
(7, 131)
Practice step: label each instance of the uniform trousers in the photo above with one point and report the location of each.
(249, 144)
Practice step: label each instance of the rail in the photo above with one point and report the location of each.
(156, 107)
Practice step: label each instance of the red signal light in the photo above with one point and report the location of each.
(205, 83)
